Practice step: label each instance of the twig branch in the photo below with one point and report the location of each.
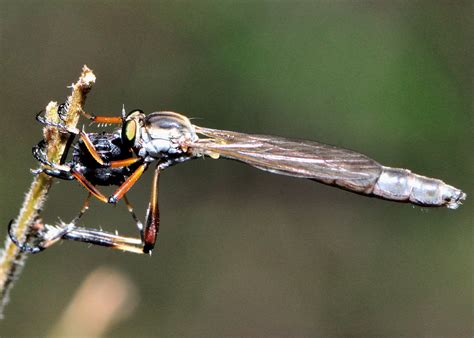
(12, 259)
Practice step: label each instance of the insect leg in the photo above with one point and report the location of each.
(112, 164)
(134, 216)
(89, 116)
(58, 171)
(67, 148)
(40, 156)
(152, 222)
(61, 127)
(102, 238)
(122, 163)
(129, 182)
(89, 186)
(53, 234)
(84, 208)
(102, 119)
(48, 239)
(105, 119)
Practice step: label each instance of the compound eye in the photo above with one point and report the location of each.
(134, 113)
(129, 132)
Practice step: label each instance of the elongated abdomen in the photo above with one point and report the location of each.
(403, 185)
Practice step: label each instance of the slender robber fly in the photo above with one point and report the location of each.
(167, 138)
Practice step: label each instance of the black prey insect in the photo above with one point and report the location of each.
(167, 138)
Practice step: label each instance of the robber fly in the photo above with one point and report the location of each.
(167, 138)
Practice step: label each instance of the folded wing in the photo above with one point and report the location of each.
(299, 158)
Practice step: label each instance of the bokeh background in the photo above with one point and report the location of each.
(242, 252)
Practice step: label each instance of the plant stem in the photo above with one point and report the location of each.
(12, 259)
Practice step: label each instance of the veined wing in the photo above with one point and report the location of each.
(299, 158)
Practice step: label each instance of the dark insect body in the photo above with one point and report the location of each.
(109, 147)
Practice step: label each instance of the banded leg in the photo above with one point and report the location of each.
(152, 224)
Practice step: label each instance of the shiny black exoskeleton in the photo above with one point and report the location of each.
(110, 148)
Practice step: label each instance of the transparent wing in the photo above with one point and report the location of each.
(299, 158)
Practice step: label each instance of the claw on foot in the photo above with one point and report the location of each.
(45, 236)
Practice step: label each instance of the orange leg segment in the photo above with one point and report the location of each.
(89, 186)
(107, 119)
(90, 147)
(124, 163)
(131, 180)
(103, 119)
(112, 164)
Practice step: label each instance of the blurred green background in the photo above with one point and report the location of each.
(242, 252)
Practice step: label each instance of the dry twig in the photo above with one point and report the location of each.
(12, 259)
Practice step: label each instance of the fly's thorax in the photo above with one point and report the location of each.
(164, 133)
